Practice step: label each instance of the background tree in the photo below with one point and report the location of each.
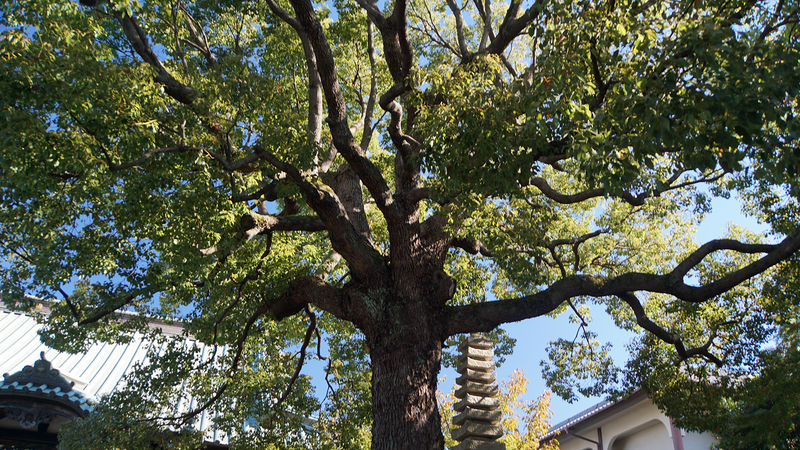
(269, 172)
(524, 421)
(755, 406)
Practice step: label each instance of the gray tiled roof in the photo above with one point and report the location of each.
(76, 397)
(586, 413)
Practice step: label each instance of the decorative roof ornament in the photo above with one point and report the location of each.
(478, 418)
(42, 373)
(37, 394)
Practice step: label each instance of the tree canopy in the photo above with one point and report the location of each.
(756, 406)
(387, 177)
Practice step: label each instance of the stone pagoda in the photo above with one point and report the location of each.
(478, 418)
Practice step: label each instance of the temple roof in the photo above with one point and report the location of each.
(44, 383)
(91, 374)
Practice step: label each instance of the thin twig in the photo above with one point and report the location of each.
(312, 325)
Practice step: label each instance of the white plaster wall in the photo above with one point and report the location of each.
(576, 444)
(572, 443)
(698, 441)
(652, 437)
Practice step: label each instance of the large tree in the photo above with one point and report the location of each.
(263, 170)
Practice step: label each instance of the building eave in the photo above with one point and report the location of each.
(589, 418)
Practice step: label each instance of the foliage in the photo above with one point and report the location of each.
(524, 421)
(385, 178)
(753, 406)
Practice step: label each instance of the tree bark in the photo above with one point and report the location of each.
(403, 320)
(406, 352)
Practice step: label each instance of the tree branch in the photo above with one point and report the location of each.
(314, 124)
(307, 290)
(680, 271)
(200, 39)
(558, 197)
(666, 336)
(312, 326)
(135, 164)
(473, 247)
(253, 224)
(398, 56)
(99, 315)
(183, 418)
(242, 163)
(326, 358)
(485, 11)
(366, 135)
(345, 237)
(483, 317)
(583, 326)
(429, 28)
(407, 176)
(176, 36)
(267, 192)
(373, 12)
(558, 262)
(369, 174)
(462, 42)
(80, 320)
(347, 187)
(326, 268)
(602, 86)
(138, 39)
(513, 26)
(633, 200)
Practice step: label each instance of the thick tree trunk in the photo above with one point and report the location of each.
(405, 367)
(405, 334)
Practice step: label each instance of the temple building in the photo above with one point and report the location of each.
(633, 423)
(43, 388)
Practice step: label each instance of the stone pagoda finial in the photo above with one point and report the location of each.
(478, 418)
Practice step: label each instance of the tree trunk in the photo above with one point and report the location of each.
(405, 367)
(405, 336)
